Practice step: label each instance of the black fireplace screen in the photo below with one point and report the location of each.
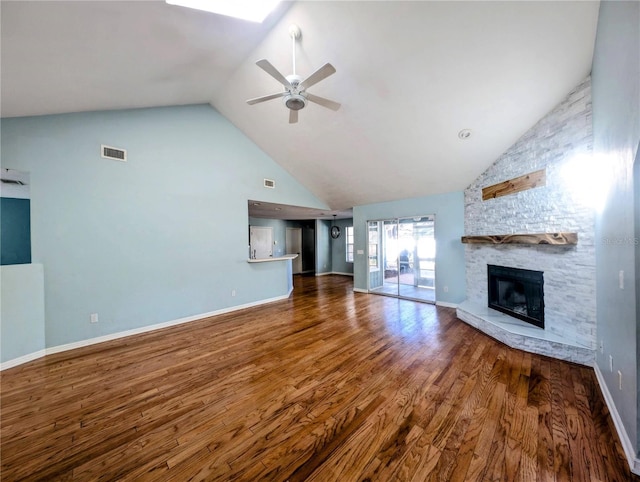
(517, 292)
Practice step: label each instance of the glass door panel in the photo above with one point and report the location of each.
(416, 242)
(373, 255)
(402, 258)
(390, 256)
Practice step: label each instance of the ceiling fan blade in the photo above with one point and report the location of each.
(265, 98)
(293, 116)
(265, 65)
(329, 104)
(322, 73)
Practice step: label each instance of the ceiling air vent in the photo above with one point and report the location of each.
(113, 153)
(269, 183)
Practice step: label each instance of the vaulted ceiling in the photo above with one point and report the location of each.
(410, 76)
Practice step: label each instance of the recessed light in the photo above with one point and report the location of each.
(278, 209)
(257, 204)
(464, 134)
(252, 10)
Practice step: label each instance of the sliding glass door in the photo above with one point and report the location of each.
(401, 255)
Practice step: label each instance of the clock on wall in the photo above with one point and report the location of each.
(335, 232)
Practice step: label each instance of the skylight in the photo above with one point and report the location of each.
(252, 10)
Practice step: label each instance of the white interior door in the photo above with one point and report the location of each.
(261, 242)
(294, 246)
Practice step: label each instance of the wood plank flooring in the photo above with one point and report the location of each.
(329, 385)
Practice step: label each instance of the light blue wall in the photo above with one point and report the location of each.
(449, 212)
(22, 315)
(616, 129)
(323, 246)
(339, 248)
(160, 237)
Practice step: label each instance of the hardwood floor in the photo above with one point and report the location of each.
(329, 385)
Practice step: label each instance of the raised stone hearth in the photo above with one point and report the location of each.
(522, 335)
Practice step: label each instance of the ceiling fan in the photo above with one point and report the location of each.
(295, 95)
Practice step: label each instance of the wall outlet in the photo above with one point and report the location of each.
(233, 292)
(611, 363)
(446, 289)
(93, 318)
(621, 279)
(601, 347)
(619, 380)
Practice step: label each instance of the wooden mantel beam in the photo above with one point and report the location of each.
(557, 239)
(522, 183)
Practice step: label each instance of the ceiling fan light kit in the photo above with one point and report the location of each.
(295, 101)
(295, 95)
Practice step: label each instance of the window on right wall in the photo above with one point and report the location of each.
(349, 240)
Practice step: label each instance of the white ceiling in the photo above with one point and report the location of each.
(410, 75)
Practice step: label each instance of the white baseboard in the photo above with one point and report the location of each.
(22, 359)
(136, 331)
(446, 304)
(627, 446)
(360, 290)
(323, 274)
(342, 274)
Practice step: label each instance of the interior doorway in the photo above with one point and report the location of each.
(401, 257)
(293, 245)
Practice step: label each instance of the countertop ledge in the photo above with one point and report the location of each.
(267, 260)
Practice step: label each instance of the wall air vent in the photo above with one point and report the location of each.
(113, 153)
(269, 183)
(13, 181)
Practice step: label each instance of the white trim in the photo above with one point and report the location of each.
(284, 257)
(360, 290)
(324, 273)
(446, 304)
(627, 446)
(22, 359)
(135, 331)
(342, 274)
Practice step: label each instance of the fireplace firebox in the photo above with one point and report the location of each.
(517, 292)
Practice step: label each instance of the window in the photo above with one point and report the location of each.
(349, 240)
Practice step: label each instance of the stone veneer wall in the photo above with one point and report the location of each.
(560, 137)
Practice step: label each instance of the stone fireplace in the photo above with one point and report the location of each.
(567, 328)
